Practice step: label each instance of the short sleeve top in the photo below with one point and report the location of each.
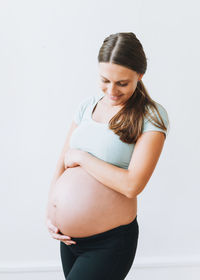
(96, 138)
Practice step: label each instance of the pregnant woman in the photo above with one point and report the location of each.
(112, 147)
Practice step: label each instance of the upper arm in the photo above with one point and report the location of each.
(145, 156)
(77, 117)
(81, 108)
(60, 164)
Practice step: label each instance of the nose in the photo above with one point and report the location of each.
(111, 89)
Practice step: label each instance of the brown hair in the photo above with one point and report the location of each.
(126, 50)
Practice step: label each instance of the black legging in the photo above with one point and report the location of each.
(105, 256)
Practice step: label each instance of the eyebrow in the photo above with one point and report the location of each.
(117, 81)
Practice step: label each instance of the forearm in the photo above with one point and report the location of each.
(110, 175)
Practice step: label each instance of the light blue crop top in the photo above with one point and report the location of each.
(97, 139)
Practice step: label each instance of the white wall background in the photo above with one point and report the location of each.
(48, 63)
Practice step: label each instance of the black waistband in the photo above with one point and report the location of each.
(108, 232)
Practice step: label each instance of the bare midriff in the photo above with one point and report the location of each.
(82, 206)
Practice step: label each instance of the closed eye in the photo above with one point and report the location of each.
(122, 85)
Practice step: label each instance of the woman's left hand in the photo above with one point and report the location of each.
(56, 234)
(73, 157)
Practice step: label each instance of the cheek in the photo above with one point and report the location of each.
(103, 86)
(134, 86)
(130, 89)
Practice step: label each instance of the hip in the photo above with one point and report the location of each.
(116, 240)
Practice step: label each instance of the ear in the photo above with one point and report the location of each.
(140, 77)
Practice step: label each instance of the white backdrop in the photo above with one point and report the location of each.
(48, 63)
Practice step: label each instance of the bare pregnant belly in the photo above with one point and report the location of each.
(81, 206)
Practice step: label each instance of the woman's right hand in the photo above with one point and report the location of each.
(54, 232)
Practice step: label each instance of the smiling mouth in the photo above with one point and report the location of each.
(115, 97)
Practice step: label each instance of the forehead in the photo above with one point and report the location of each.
(115, 72)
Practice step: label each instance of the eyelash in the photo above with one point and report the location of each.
(122, 85)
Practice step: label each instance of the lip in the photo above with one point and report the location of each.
(115, 97)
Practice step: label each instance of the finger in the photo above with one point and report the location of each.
(60, 236)
(53, 228)
(52, 231)
(68, 242)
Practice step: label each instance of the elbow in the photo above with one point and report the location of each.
(134, 186)
(131, 195)
(130, 189)
(133, 191)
